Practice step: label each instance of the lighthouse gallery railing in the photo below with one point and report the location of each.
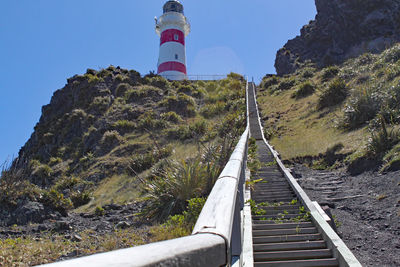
(216, 238)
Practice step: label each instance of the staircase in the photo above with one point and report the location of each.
(283, 233)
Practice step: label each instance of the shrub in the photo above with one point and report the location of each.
(269, 80)
(91, 71)
(329, 73)
(104, 73)
(158, 81)
(184, 132)
(198, 128)
(42, 171)
(308, 72)
(181, 132)
(134, 75)
(181, 104)
(211, 87)
(111, 139)
(186, 89)
(122, 88)
(86, 159)
(13, 188)
(181, 224)
(169, 192)
(99, 211)
(211, 110)
(392, 159)
(100, 103)
(54, 160)
(56, 201)
(392, 55)
(121, 78)
(333, 95)
(392, 71)
(142, 162)
(150, 91)
(124, 125)
(149, 121)
(80, 198)
(93, 79)
(286, 84)
(362, 107)
(66, 183)
(383, 140)
(304, 89)
(235, 76)
(231, 125)
(171, 116)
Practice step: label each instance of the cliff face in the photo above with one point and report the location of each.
(342, 29)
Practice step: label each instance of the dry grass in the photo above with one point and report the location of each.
(28, 251)
(301, 129)
(118, 189)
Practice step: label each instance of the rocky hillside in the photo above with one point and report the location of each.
(107, 132)
(342, 29)
(339, 116)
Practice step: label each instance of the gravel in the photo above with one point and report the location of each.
(366, 208)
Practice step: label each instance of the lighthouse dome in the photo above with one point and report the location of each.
(173, 6)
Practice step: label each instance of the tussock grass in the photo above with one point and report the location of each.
(350, 105)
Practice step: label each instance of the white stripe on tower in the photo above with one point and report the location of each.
(172, 27)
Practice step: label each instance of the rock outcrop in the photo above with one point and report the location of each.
(342, 29)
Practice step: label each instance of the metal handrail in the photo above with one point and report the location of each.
(216, 237)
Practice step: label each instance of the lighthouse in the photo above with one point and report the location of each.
(172, 27)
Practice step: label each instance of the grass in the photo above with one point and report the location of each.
(31, 250)
(118, 189)
(349, 104)
(301, 129)
(110, 144)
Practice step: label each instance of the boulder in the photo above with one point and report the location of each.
(342, 29)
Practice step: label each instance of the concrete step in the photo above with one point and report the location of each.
(280, 221)
(273, 199)
(300, 263)
(289, 238)
(273, 193)
(285, 206)
(270, 186)
(272, 212)
(266, 226)
(293, 231)
(292, 255)
(286, 246)
(272, 183)
(275, 217)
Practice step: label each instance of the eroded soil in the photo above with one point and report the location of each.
(366, 208)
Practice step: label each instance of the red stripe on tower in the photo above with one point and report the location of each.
(172, 28)
(172, 66)
(172, 35)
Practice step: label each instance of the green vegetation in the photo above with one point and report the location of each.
(119, 138)
(305, 89)
(253, 163)
(32, 250)
(355, 104)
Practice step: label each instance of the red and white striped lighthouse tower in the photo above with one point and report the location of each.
(172, 27)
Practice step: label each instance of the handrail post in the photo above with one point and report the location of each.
(236, 243)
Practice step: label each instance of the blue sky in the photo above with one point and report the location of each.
(43, 42)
